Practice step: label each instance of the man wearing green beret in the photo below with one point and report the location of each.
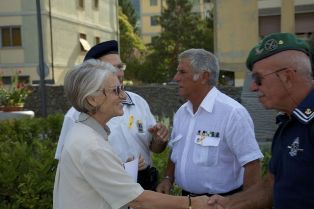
(282, 80)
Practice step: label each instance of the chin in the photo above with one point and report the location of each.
(120, 112)
(267, 105)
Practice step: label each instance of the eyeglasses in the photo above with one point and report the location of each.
(257, 78)
(116, 90)
(121, 66)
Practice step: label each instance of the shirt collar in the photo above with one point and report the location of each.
(128, 100)
(281, 117)
(92, 123)
(207, 103)
(304, 112)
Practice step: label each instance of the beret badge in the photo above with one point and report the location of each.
(275, 43)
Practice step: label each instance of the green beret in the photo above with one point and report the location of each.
(275, 43)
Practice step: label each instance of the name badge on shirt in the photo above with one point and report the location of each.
(140, 126)
(207, 138)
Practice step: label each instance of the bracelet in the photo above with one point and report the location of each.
(190, 202)
(168, 177)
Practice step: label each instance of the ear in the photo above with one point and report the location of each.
(92, 101)
(205, 77)
(288, 78)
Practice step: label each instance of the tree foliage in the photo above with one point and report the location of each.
(181, 30)
(129, 11)
(132, 48)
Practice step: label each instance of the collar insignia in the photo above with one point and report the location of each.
(308, 111)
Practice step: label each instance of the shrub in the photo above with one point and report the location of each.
(27, 165)
(27, 162)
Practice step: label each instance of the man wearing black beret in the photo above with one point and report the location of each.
(282, 79)
(134, 134)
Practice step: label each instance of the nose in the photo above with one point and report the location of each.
(122, 95)
(253, 86)
(120, 75)
(176, 77)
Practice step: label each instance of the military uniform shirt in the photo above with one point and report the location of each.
(292, 162)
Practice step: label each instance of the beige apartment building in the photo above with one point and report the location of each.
(150, 11)
(69, 28)
(236, 31)
(239, 24)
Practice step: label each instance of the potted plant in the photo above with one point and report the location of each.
(13, 98)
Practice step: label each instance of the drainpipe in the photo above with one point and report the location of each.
(51, 45)
(41, 62)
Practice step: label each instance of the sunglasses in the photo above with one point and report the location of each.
(257, 78)
(116, 90)
(121, 66)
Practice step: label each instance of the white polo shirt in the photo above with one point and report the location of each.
(89, 175)
(129, 133)
(210, 147)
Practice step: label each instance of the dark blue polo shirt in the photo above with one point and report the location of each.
(292, 161)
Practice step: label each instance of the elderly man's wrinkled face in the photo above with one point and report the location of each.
(268, 84)
(115, 60)
(184, 78)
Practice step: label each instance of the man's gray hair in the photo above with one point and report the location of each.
(202, 61)
(86, 80)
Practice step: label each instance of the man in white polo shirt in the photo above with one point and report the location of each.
(213, 146)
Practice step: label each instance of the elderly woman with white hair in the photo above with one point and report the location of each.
(89, 174)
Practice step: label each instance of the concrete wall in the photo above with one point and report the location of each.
(163, 100)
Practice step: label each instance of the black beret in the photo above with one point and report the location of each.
(275, 43)
(101, 49)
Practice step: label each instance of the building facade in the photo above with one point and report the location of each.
(69, 28)
(299, 19)
(232, 26)
(149, 11)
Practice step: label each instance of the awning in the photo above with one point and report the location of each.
(85, 44)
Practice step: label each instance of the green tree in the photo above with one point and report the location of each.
(181, 30)
(129, 11)
(132, 49)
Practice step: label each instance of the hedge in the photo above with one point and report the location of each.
(27, 165)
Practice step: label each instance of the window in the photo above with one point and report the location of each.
(84, 43)
(7, 80)
(153, 2)
(10, 36)
(81, 4)
(97, 40)
(154, 39)
(154, 20)
(96, 4)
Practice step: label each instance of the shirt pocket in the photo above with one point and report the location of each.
(174, 145)
(206, 155)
